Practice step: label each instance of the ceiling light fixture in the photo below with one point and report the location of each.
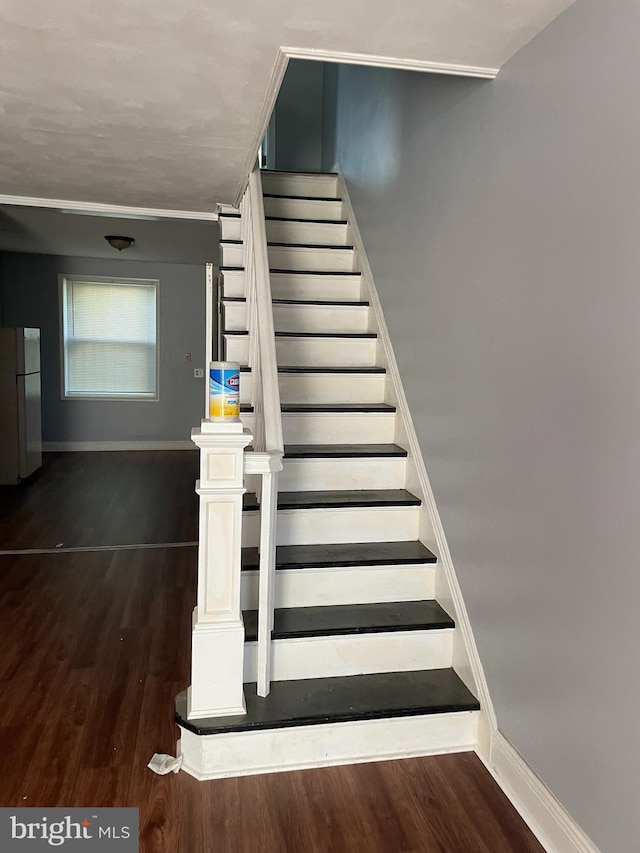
(119, 243)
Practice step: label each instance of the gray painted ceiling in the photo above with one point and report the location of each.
(158, 103)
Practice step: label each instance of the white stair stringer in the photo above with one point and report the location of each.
(466, 659)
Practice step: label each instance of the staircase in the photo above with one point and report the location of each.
(362, 650)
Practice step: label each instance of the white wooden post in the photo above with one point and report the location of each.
(217, 662)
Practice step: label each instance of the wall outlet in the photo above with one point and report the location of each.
(198, 373)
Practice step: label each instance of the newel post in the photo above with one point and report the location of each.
(217, 651)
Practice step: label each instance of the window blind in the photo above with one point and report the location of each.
(110, 338)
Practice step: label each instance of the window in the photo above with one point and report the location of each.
(109, 338)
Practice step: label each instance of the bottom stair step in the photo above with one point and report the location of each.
(325, 722)
(314, 701)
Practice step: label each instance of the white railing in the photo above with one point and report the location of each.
(268, 446)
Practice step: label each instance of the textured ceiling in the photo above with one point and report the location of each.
(157, 103)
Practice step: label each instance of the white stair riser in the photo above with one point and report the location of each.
(300, 208)
(342, 428)
(300, 475)
(310, 259)
(230, 228)
(233, 283)
(292, 231)
(356, 654)
(293, 258)
(298, 747)
(323, 387)
(231, 254)
(317, 318)
(324, 526)
(288, 183)
(328, 287)
(343, 585)
(321, 287)
(310, 352)
(303, 318)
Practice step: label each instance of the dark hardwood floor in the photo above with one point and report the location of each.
(94, 648)
(112, 498)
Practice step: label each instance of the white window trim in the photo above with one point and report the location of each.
(62, 277)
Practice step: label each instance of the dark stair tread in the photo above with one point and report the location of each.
(311, 221)
(301, 197)
(314, 701)
(335, 499)
(348, 619)
(314, 302)
(336, 407)
(278, 245)
(357, 335)
(282, 368)
(307, 272)
(304, 174)
(345, 554)
(341, 451)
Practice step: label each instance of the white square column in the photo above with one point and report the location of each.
(217, 648)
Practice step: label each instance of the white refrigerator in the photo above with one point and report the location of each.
(20, 417)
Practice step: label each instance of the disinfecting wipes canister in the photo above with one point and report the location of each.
(224, 390)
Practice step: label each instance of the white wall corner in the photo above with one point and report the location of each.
(543, 813)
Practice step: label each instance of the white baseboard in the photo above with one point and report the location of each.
(545, 816)
(77, 446)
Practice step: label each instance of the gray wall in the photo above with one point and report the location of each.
(299, 118)
(502, 222)
(30, 298)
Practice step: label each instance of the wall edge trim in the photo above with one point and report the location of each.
(97, 208)
(379, 61)
(543, 813)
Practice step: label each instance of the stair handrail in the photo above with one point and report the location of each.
(268, 443)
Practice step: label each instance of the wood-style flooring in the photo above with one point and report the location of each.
(111, 498)
(94, 648)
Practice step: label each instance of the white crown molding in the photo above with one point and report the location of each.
(547, 818)
(79, 446)
(277, 75)
(287, 53)
(116, 210)
(377, 61)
